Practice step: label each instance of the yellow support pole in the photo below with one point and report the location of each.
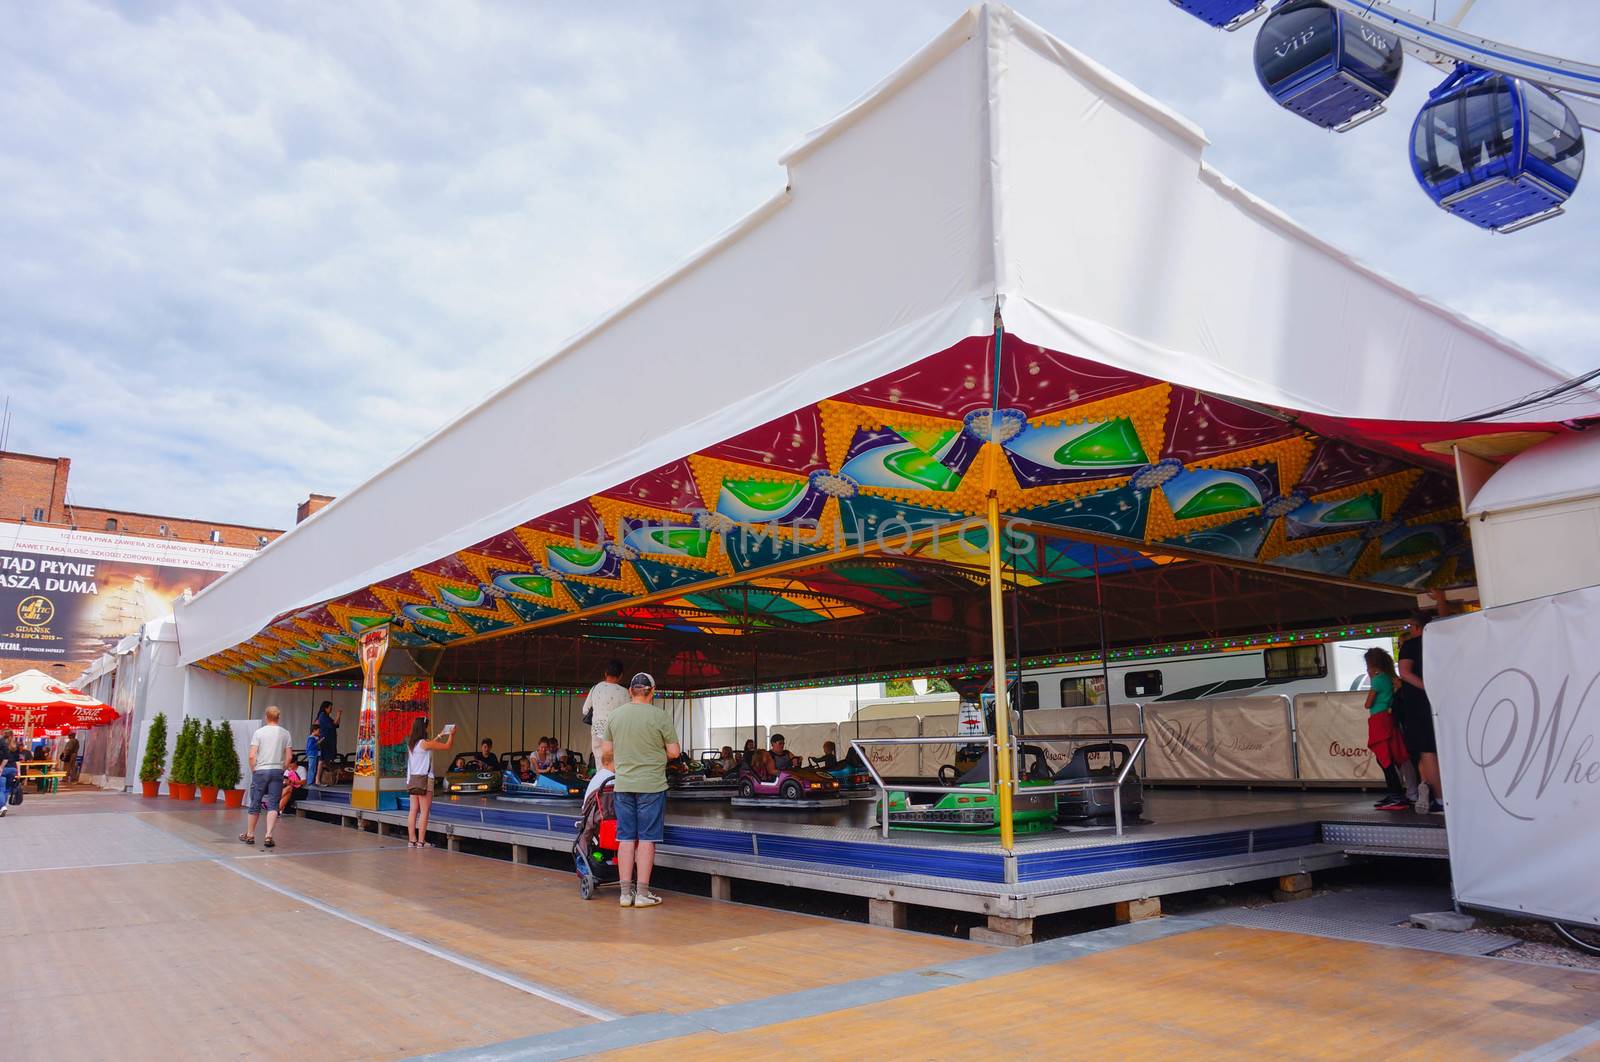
(997, 627)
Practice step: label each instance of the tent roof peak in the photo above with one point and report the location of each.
(997, 26)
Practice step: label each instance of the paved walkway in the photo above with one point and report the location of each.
(142, 929)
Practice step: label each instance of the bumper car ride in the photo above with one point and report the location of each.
(472, 782)
(850, 777)
(977, 812)
(1097, 805)
(794, 783)
(699, 776)
(544, 786)
(341, 769)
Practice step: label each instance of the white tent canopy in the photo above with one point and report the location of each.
(998, 167)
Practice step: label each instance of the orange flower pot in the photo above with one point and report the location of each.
(180, 790)
(152, 789)
(208, 794)
(233, 798)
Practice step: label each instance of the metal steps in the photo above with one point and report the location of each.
(1405, 840)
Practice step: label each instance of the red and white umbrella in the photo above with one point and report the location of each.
(32, 700)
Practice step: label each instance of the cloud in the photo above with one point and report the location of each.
(254, 251)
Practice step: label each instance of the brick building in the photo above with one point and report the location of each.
(33, 490)
(121, 594)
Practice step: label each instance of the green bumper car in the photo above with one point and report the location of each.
(979, 811)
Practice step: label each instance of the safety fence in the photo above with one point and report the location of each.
(869, 749)
(1315, 738)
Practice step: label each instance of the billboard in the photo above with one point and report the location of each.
(68, 596)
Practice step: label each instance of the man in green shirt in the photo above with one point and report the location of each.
(640, 739)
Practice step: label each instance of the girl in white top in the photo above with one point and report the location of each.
(419, 777)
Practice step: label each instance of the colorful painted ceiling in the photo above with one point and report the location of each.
(900, 468)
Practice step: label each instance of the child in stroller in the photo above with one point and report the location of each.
(594, 853)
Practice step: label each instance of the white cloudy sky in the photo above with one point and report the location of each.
(250, 251)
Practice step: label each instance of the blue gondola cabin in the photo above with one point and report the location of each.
(1223, 14)
(1328, 67)
(1496, 150)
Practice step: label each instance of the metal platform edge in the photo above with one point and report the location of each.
(1007, 900)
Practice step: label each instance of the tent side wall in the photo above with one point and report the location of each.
(147, 680)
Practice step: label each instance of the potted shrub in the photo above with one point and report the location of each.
(205, 768)
(194, 759)
(155, 756)
(225, 761)
(180, 784)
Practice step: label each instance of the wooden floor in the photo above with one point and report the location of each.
(142, 929)
(1221, 993)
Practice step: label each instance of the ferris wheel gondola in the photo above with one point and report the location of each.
(1224, 14)
(1331, 69)
(1499, 144)
(1496, 150)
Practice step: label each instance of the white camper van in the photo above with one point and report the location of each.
(1286, 670)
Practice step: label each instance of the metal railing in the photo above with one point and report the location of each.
(1087, 784)
(883, 787)
(988, 743)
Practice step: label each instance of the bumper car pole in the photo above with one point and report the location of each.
(997, 627)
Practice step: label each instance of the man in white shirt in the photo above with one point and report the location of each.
(269, 751)
(604, 698)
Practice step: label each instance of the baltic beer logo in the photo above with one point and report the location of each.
(1524, 745)
(35, 611)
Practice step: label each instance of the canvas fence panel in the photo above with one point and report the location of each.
(805, 739)
(737, 736)
(1085, 719)
(1180, 735)
(893, 761)
(1516, 704)
(1331, 735)
(932, 757)
(1230, 739)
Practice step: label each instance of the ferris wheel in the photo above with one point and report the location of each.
(1498, 143)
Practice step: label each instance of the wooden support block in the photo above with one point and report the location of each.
(453, 843)
(722, 887)
(383, 828)
(1004, 932)
(520, 854)
(1138, 910)
(1293, 887)
(890, 914)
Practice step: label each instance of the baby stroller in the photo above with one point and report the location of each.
(595, 851)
